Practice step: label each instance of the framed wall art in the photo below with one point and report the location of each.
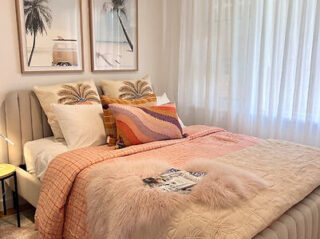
(50, 35)
(114, 35)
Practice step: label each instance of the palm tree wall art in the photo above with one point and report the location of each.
(37, 19)
(114, 29)
(50, 35)
(119, 7)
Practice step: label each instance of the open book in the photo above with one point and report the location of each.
(175, 180)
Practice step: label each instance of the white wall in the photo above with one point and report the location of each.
(150, 37)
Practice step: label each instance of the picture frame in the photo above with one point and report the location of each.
(114, 35)
(50, 36)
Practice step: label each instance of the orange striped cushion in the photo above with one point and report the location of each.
(143, 124)
(109, 121)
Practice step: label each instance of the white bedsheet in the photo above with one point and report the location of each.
(39, 153)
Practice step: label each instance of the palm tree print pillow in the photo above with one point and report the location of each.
(69, 94)
(79, 94)
(127, 89)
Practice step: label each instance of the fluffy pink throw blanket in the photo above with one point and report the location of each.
(119, 204)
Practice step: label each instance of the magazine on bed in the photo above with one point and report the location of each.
(175, 180)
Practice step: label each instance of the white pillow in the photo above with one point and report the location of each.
(163, 99)
(81, 125)
(75, 93)
(39, 153)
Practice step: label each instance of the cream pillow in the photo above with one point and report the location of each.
(76, 93)
(81, 125)
(127, 89)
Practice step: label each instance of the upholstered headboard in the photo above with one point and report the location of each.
(24, 121)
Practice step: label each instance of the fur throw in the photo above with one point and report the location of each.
(119, 204)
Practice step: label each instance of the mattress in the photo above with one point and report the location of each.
(300, 222)
(39, 153)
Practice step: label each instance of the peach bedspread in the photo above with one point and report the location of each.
(61, 210)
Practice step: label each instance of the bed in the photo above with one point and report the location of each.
(25, 121)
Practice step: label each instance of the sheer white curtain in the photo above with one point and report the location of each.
(250, 66)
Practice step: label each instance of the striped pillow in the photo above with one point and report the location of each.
(109, 121)
(143, 124)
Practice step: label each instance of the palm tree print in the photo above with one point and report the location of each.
(37, 18)
(119, 7)
(79, 94)
(134, 90)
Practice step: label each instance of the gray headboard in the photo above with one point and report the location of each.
(24, 121)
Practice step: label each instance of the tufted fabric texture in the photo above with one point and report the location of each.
(301, 222)
(25, 121)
